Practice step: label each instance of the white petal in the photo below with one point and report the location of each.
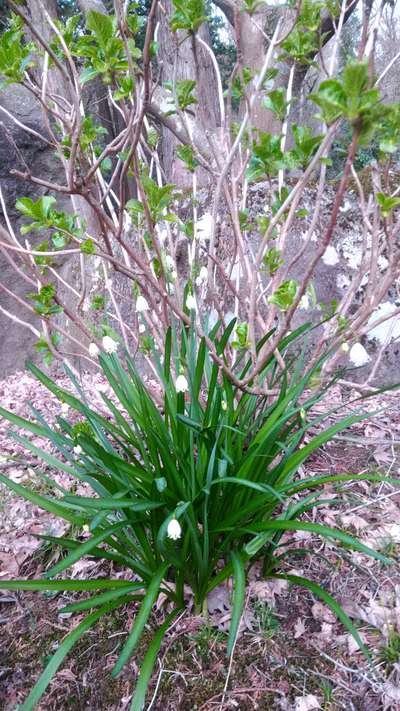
(93, 350)
(174, 530)
(191, 303)
(330, 256)
(304, 302)
(109, 345)
(203, 275)
(358, 355)
(205, 226)
(141, 304)
(181, 384)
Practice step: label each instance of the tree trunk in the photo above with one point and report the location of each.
(183, 57)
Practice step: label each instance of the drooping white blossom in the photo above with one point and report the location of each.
(169, 262)
(78, 449)
(330, 257)
(64, 408)
(174, 530)
(181, 385)
(191, 302)
(204, 227)
(304, 302)
(358, 355)
(203, 276)
(388, 330)
(141, 304)
(93, 350)
(109, 345)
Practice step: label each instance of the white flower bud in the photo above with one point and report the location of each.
(203, 274)
(78, 449)
(358, 355)
(64, 408)
(141, 304)
(224, 405)
(170, 264)
(109, 345)
(191, 302)
(330, 257)
(142, 328)
(345, 347)
(181, 384)
(93, 350)
(174, 530)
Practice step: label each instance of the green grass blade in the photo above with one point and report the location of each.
(148, 664)
(140, 620)
(315, 481)
(59, 656)
(109, 503)
(239, 587)
(61, 585)
(331, 602)
(101, 599)
(282, 525)
(43, 502)
(83, 549)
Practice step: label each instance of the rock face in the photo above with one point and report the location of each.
(16, 343)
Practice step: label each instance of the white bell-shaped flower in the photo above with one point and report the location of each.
(330, 257)
(93, 350)
(358, 355)
(174, 530)
(191, 302)
(141, 304)
(109, 345)
(181, 385)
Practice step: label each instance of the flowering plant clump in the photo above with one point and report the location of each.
(189, 486)
(185, 497)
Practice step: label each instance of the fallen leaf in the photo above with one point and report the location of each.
(355, 521)
(299, 628)
(306, 703)
(322, 613)
(267, 590)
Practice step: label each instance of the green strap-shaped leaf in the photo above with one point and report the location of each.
(61, 585)
(59, 656)
(44, 502)
(239, 587)
(148, 664)
(83, 549)
(331, 602)
(140, 620)
(283, 525)
(109, 503)
(101, 599)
